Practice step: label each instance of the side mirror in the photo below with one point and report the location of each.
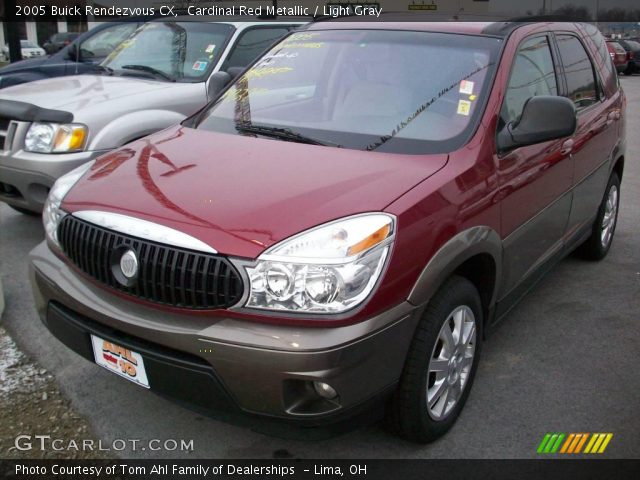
(217, 82)
(543, 118)
(235, 72)
(72, 53)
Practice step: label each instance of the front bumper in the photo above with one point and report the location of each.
(218, 362)
(26, 177)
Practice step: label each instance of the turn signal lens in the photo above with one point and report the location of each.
(372, 240)
(69, 138)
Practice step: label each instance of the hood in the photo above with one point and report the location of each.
(90, 92)
(241, 195)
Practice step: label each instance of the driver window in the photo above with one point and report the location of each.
(532, 74)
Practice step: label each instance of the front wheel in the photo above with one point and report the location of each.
(441, 363)
(598, 244)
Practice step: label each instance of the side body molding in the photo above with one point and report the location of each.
(458, 249)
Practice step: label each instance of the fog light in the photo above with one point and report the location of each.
(325, 390)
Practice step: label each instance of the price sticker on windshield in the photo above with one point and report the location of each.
(200, 66)
(466, 87)
(464, 107)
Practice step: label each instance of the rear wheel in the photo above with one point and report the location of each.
(598, 244)
(441, 363)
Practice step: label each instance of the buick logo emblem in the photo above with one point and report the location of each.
(129, 264)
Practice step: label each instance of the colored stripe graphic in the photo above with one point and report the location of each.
(572, 443)
(598, 442)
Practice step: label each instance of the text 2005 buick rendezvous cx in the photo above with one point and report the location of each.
(344, 222)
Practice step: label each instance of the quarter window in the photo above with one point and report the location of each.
(532, 74)
(251, 44)
(581, 82)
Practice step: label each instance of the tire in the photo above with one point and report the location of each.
(410, 415)
(598, 244)
(24, 211)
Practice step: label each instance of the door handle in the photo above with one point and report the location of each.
(567, 147)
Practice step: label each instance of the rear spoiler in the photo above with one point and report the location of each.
(28, 112)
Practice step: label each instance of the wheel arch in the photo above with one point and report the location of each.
(475, 254)
(618, 166)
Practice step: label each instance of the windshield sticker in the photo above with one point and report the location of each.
(464, 107)
(466, 87)
(200, 66)
(472, 97)
(210, 48)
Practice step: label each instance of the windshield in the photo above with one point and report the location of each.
(388, 91)
(28, 44)
(184, 51)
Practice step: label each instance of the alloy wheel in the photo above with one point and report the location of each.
(451, 361)
(609, 218)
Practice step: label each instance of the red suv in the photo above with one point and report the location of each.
(345, 223)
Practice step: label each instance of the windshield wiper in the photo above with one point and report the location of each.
(154, 71)
(282, 133)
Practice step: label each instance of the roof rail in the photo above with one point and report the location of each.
(505, 27)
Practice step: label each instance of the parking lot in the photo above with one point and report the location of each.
(565, 360)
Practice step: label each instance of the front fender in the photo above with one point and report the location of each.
(457, 250)
(132, 126)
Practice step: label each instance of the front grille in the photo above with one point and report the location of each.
(166, 275)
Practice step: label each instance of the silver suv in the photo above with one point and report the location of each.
(164, 72)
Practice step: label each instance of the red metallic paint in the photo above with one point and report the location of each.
(242, 195)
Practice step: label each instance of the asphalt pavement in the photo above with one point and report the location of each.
(565, 360)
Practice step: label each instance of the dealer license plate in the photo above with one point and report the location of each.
(120, 360)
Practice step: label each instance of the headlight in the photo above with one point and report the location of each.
(55, 138)
(52, 214)
(329, 269)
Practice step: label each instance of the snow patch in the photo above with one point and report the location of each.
(17, 373)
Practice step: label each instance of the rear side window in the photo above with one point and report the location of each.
(532, 74)
(581, 82)
(251, 44)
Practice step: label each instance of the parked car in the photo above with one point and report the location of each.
(81, 56)
(164, 72)
(344, 223)
(633, 50)
(618, 55)
(28, 49)
(58, 41)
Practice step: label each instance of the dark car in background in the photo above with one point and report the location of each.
(80, 56)
(619, 55)
(633, 50)
(58, 41)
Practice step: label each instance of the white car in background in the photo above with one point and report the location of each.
(28, 49)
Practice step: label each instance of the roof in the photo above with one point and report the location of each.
(432, 23)
(468, 28)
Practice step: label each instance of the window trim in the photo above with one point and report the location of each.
(560, 86)
(596, 76)
(242, 33)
